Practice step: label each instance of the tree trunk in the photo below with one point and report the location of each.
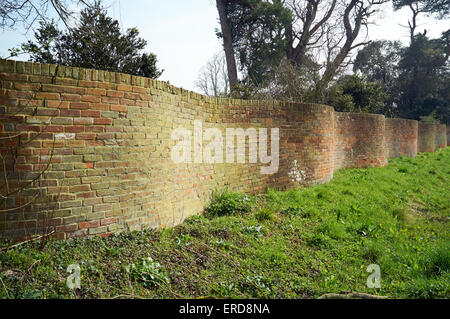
(333, 65)
(227, 43)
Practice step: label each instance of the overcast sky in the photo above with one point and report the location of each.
(181, 33)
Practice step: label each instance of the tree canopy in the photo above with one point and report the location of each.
(417, 77)
(96, 42)
(354, 93)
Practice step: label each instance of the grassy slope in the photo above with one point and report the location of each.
(294, 244)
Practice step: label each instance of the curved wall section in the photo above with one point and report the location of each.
(91, 152)
(448, 135)
(427, 137)
(401, 137)
(441, 135)
(310, 143)
(359, 140)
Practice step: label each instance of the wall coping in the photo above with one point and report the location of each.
(85, 74)
(400, 119)
(366, 115)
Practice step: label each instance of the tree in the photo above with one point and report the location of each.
(353, 93)
(227, 42)
(424, 68)
(437, 8)
(378, 61)
(424, 77)
(285, 81)
(213, 77)
(96, 42)
(417, 77)
(26, 12)
(258, 36)
(265, 32)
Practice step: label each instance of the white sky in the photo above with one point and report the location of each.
(181, 33)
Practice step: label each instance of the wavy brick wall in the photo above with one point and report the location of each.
(103, 142)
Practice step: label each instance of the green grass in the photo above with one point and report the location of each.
(293, 244)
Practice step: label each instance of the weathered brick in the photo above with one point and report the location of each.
(103, 121)
(79, 105)
(90, 113)
(89, 224)
(98, 230)
(108, 221)
(71, 97)
(79, 188)
(87, 84)
(119, 108)
(83, 121)
(74, 128)
(74, 203)
(95, 91)
(47, 96)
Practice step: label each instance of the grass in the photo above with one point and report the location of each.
(293, 244)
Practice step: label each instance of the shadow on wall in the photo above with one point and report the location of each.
(97, 146)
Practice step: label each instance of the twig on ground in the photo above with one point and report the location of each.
(4, 287)
(26, 241)
(352, 295)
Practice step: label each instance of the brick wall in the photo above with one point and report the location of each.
(103, 141)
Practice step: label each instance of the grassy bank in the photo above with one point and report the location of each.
(294, 244)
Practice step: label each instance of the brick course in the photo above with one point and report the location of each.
(104, 141)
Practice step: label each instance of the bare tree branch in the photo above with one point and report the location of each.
(26, 12)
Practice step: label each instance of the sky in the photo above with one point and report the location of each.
(181, 33)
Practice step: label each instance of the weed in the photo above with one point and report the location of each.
(265, 214)
(294, 211)
(255, 231)
(147, 271)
